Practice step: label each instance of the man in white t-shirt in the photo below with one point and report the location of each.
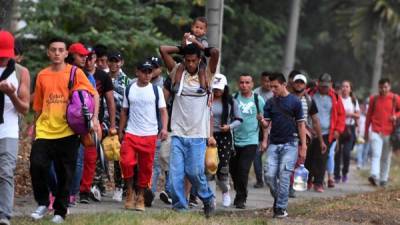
(190, 125)
(143, 117)
(14, 94)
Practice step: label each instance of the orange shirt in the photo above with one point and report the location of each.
(379, 115)
(51, 99)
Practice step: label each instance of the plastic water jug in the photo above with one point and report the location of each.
(300, 178)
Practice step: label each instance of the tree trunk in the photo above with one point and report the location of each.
(7, 20)
(378, 63)
(215, 15)
(290, 51)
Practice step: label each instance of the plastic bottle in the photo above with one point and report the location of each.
(300, 178)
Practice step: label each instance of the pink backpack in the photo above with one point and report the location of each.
(80, 107)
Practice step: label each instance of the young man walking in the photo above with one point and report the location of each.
(284, 111)
(246, 138)
(190, 130)
(265, 92)
(383, 112)
(14, 99)
(55, 141)
(143, 107)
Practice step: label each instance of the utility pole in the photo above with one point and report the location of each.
(291, 40)
(215, 16)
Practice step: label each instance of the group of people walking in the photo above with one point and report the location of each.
(165, 124)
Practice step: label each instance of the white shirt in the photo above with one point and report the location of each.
(10, 127)
(349, 107)
(142, 119)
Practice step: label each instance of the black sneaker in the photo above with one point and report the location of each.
(209, 208)
(240, 205)
(193, 201)
(259, 185)
(165, 198)
(84, 197)
(148, 197)
(383, 183)
(280, 213)
(372, 180)
(292, 192)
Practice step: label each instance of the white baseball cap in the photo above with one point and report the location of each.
(219, 81)
(300, 77)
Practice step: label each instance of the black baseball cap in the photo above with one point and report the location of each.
(155, 61)
(115, 55)
(145, 65)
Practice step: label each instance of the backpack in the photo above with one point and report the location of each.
(261, 132)
(155, 90)
(80, 107)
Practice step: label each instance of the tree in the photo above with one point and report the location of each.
(290, 51)
(134, 27)
(380, 16)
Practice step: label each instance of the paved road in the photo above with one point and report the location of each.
(257, 199)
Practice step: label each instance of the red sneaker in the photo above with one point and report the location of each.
(309, 185)
(318, 188)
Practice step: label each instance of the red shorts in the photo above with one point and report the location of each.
(138, 150)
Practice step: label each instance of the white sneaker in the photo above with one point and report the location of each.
(39, 213)
(57, 219)
(117, 194)
(226, 199)
(96, 195)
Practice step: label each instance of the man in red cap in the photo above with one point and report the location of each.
(14, 99)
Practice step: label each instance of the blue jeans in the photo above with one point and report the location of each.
(187, 159)
(330, 163)
(157, 171)
(279, 166)
(258, 168)
(76, 182)
(362, 154)
(381, 156)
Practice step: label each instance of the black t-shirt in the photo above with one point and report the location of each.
(284, 113)
(103, 85)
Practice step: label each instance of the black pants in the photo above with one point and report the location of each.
(316, 161)
(345, 147)
(63, 152)
(239, 168)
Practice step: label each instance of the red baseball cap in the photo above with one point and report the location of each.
(78, 48)
(6, 44)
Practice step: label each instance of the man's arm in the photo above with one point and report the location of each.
(20, 97)
(166, 52)
(303, 148)
(122, 122)
(317, 128)
(369, 117)
(164, 122)
(111, 110)
(214, 57)
(266, 128)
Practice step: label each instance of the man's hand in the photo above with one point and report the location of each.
(336, 134)
(112, 131)
(212, 142)
(366, 136)
(393, 118)
(7, 88)
(225, 128)
(302, 153)
(263, 146)
(95, 124)
(260, 117)
(163, 134)
(323, 146)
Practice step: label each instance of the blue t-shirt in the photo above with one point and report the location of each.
(247, 132)
(285, 129)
